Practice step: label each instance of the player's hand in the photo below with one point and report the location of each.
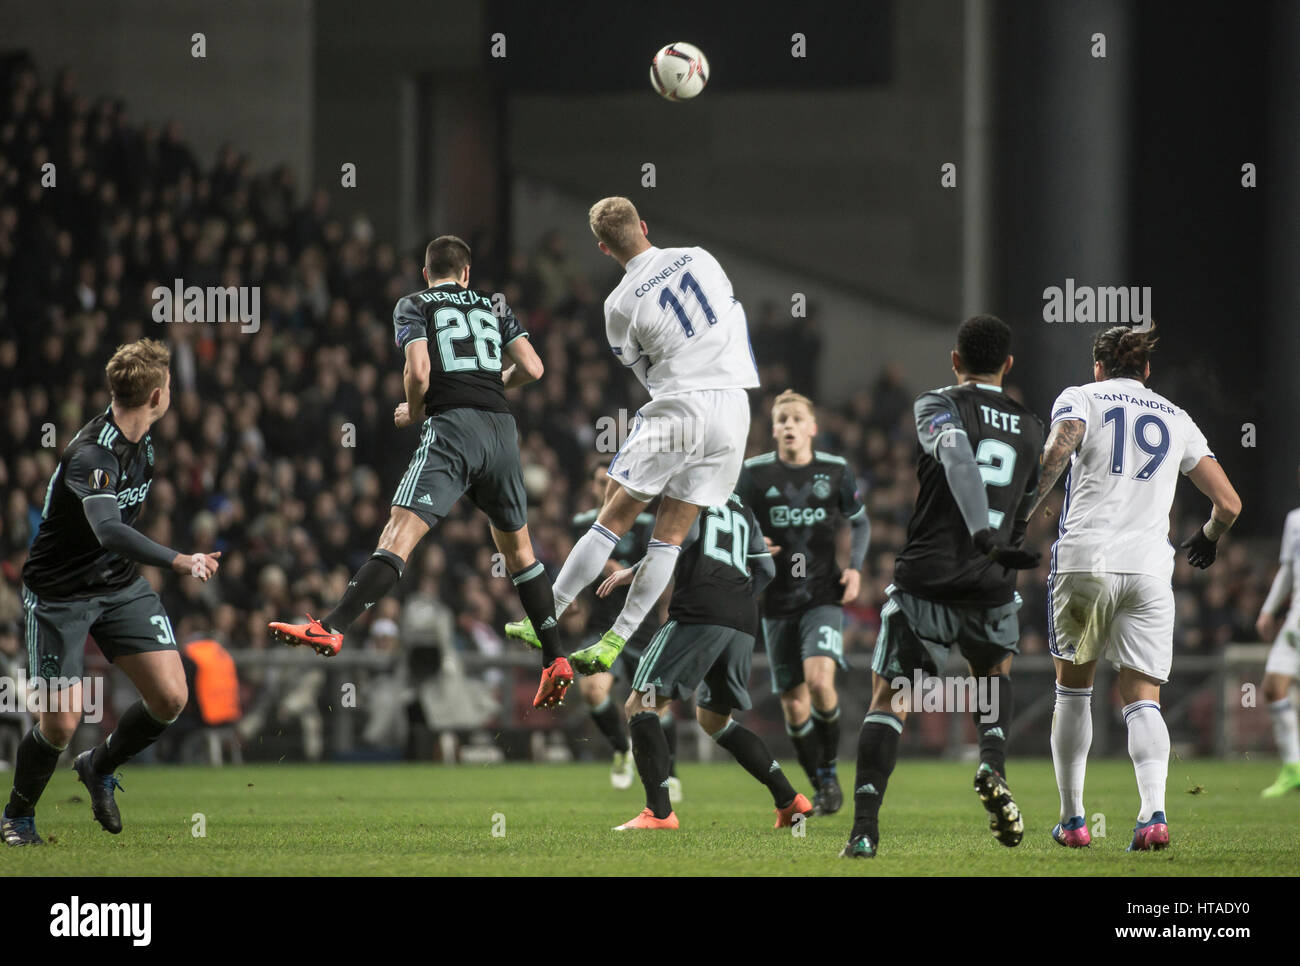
(1266, 627)
(1011, 557)
(402, 416)
(200, 566)
(617, 579)
(1201, 550)
(852, 581)
(772, 548)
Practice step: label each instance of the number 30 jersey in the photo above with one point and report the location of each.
(939, 562)
(676, 323)
(465, 337)
(1121, 480)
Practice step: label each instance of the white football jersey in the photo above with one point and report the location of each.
(674, 321)
(1121, 480)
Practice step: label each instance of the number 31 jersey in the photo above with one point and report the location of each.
(676, 322)
(465, 337)
(1121, 480)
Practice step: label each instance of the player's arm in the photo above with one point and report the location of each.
(761, 565)
(412, 337)
(1209, 478)
(1283, 583)
(92, 476)
(859, 536)
(943, 437)
(527, 364)
(1062, 443)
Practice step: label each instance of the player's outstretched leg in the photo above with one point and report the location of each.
(1286, 733)
(34, 764)
(992, 725)
(1071, 739)
(752, 754)
(535, 593)
(877, 756)
(377, 577)
(1148, 746)
(650, 748)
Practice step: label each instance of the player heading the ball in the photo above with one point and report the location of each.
(676, 324)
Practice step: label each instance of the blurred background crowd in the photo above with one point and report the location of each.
(280, 450)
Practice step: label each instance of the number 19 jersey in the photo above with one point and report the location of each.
(1121, 480)
(675, 321)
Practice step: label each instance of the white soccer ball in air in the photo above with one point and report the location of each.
(679, 71)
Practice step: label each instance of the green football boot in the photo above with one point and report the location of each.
(1288, 779)
(599, 656)
(523, 631)
(859, 847)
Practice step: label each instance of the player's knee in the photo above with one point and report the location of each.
(710, 721)
(58, 729)
(166, 706)
(1276, 687)
(593, 690)
(795, 706)
(637, 702)
(822, 690)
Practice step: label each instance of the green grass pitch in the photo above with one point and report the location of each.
(433, 820)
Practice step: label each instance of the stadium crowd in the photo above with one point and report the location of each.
(280, 450)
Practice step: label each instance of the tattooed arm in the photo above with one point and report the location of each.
(1061, 443)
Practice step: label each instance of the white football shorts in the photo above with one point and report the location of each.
(1127, 619)
(687, 445)
(1284, 655)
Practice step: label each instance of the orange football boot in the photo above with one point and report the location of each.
(313, 634)
(785, 816)
(647, 820)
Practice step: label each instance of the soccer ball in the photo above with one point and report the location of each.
(679, 71)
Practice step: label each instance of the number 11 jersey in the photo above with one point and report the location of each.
(676, 323)
(1121, 480)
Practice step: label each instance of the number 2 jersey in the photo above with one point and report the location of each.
(800, 508)
(1121, 481)
(465, 337)
(66, 560)
(939, 562)
(676, 323)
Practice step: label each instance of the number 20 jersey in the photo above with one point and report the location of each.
(1121, 480)
(939, 561)
(675, 310)
(466, 337)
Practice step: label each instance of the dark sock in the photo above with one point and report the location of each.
(748, 749)
(650, 749)
(610, 723)
(993, 734)
(33, 766)
(534, 587)
(136, 730)
(669, 722)
(807, 747)
(827, 726)
(877, 755)
(375, 579)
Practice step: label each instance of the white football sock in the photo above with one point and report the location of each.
(584, 564)
(647, 586)
(1286, 729)
(1148, 746)
(1071, 739)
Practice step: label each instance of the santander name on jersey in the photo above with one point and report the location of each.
(675, 321)
(1122, 478)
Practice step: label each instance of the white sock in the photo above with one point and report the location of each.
(1286, 729)
(1148, 746)
(1071, 739)
(647, 586)
(584, 564)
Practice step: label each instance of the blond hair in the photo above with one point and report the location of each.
(790, 396)
(136, 370)
(615, 223)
